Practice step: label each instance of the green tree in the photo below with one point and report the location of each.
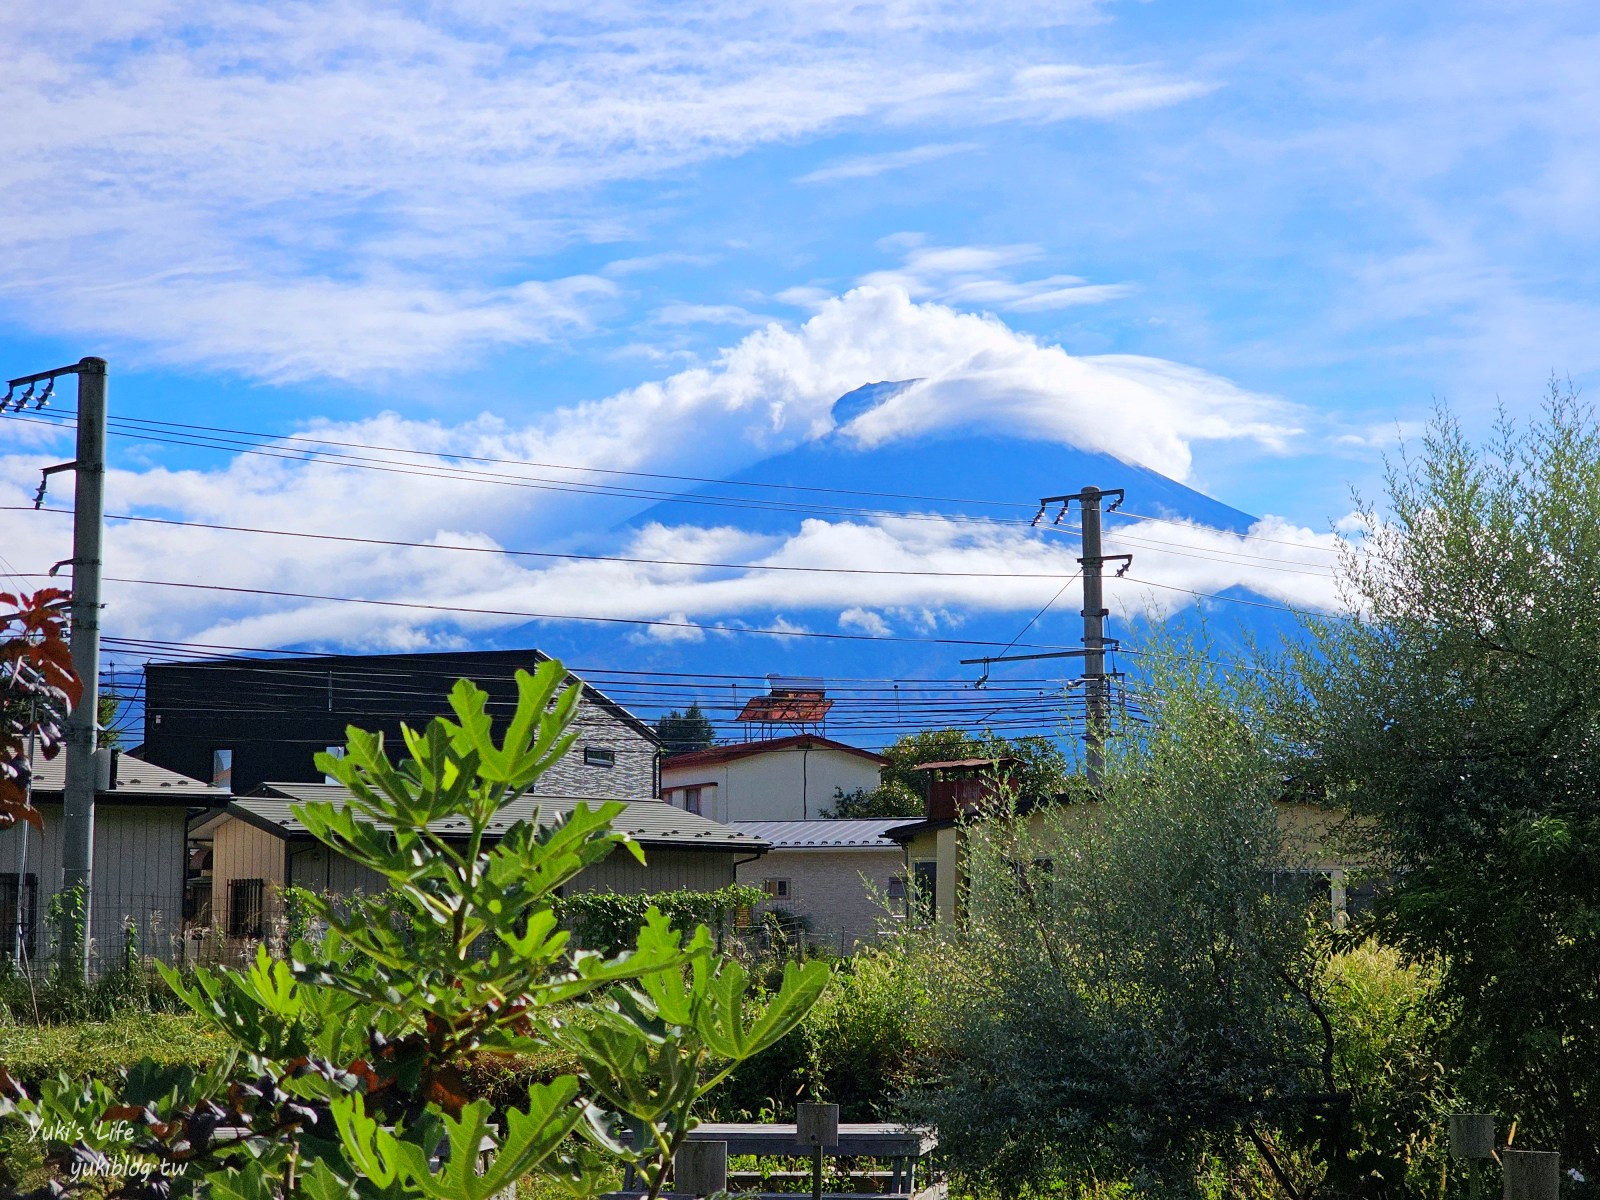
(685, 732)
(1455, 711)
(1125, 1000)
(347, 1067)
(902, 789)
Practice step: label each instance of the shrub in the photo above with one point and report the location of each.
(1388, 1038)
(853, 1048)
(610, 922)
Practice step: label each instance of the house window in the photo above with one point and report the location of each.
(222, 769)
(925, 889)
(599, 756)
(336, 752)
(778, 889)
(897, 895)
(244, 907)
(691, 800)
(19, 910)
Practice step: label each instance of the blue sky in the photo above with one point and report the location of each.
(1267, 235)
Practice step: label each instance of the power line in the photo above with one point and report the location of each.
(517, 462)
(457, 474)
(538, 616)
(655, 562)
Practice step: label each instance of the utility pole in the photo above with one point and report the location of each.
(82, 726)
(1097, 704)
(1096, 696)
(1094, 634)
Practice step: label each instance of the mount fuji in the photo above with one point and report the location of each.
(838, 501)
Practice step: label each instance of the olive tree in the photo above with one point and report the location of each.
(1126, 998)
(1455, 710)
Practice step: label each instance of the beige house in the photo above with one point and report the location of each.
(140, 815)
(957, 792)
(779, 779)
(845, 878)
(258, 846)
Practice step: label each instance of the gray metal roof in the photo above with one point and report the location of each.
(648, 822)
(136, 780)
(819, 835)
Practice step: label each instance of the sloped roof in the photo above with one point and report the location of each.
(866, 834)
(796, 741)
(648, 822)
(136, 781)
(964, 762)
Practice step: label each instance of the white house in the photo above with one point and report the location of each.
(845, 878)
(780, 779)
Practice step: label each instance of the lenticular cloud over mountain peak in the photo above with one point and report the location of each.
(879, 466)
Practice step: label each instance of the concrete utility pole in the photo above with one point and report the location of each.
(1096, 696)
(1094, 634)
(83, 724)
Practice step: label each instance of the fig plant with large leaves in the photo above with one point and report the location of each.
(38, 687)
(344, 1078)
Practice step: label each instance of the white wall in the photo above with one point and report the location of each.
(785, 784)
(833, 887)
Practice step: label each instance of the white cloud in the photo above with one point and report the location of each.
(709, 314)
(864, 620)
(647, 263)
(771, 391)
(290, 191)
(866, 166)
(979, 277)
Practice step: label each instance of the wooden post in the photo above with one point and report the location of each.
(1471, 1135)
(817, 1126)
(1532, 1174)
(700, 1168)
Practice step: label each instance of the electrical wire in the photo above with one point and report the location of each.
(614, 558)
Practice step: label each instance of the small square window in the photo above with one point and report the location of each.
(778, 889)
(599, 756)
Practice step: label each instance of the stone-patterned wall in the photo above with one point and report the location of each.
(633, 775)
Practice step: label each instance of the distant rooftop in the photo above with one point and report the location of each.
(824, 835)
(797, 741)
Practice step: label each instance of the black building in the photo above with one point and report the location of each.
(239, 723)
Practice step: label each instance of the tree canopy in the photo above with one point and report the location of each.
(1456, 713)
(685, 732)
(900, 791)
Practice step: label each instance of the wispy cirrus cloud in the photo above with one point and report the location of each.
(290, 192)
(866, 166)
(982, 277)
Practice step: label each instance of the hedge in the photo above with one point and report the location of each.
(609, 922)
